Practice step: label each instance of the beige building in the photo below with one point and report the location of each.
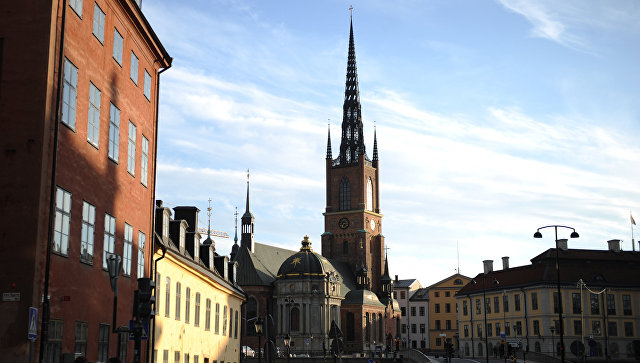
(198, 304)
(600, 303)
(443, 312)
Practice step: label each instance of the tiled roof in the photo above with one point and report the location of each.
(596, 268)
(404, 283)
(420, 294)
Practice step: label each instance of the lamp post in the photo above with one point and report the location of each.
(560, 328)
(287, 344)
(504, 327)
(258, 325)
(553, 343)
(484, 312)
(114, 264)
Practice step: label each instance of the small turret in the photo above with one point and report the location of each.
(247, 224)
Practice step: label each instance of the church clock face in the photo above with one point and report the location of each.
(372, 224)
(343, 223)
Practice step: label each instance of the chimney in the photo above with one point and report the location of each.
(614, 245)
(505, 263)
(562, 244)
(488, 266)
(396, 278)
(158, 203)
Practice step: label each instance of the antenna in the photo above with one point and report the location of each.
(458, 251)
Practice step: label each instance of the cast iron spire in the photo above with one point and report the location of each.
(375, 144)
(352, 144)
(329, 156)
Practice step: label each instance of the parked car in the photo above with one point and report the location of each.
(248, 352)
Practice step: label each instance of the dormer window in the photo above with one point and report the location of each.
(165, 225)
(196, 248)
(182, 237)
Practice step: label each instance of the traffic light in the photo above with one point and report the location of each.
(144, 300)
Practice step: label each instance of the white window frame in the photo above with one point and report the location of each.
(147, 85)
(127, 251)
(93, 122)
(142, 239)
(118, 45)
(133, 73)
(114, 133)
(98, 23)
(131, 149)
(69, 94)
(62, 222)
(76, 5)
(88, 232)
(144, 161)
(109, 243)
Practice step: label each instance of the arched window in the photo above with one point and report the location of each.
(369, 194)
(345, 194)
(252, 312)
(295, 319)
(345, 247)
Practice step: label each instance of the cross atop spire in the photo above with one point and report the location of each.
(208, 242)
(351, 10)
(352, 143)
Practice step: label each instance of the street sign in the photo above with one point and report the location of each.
(144, 333)
(33, 324)
(370, 361)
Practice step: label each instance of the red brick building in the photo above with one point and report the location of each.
(78, 124)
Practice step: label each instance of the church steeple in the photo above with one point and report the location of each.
(352, 143)
(375, 144)
(234, 248)
(329, 142)
(247, 224)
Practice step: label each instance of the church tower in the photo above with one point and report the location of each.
(353, 230)
(246, 238)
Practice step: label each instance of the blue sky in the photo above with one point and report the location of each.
(493, 118)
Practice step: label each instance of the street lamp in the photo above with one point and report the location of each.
(114, 264)
(258, 325)
(287, 344)
(560, 329)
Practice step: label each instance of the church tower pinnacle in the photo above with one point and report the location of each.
(246, 239)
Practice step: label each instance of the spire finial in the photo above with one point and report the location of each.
(209, 217)
(351, 10)
(247, 207)
(235, 239)
(375, 143)
(329, 153)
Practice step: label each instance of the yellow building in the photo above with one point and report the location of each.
(443, 315)
(600, 294)
(198, 304)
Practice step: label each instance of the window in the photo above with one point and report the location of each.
(518, 328)
(196, 318)
(142, 238)
(176, 357)
(403, 311)
(62, 221)
(147, 85)
(626, 305)
(80, 346)
(165, 356)
(628, 329)
(465, 308)
(595, 327)
(93, 126)
(447, 294)
(413, 311)
(611, 304)
(438, 325)
(555, 302)
(186, 357)
(54, 346)
(487, 305)
(117, 46)
(438, 341)
(577, 327)
(158, 294)
(534, 301)
(224, 321)
(98, 23)
(131, 149)
(507, 328)
(133, 74)
(576, 303)
(505, 303)
(69, 94)
(144, 161)
(498, 331)
(496, 304)
(103, 342)
(217, 321)
(114, 132)
(402, 295)
(595, 304)
(478, 309)
(479, 330)
(447, 324)
(235, 332)
(414, 330)
(369, 194)
(76, 5)
(612, 329)
(536, 327)
(437, 308)
(345, 194)
(167, 294)
(436, 294)
(466, 331)
(422, 328)
(207, 315)
(127, 250)
(489, 330)
(88, 228)
(447, 308)
(187, 305)
(404, 328)
(516, 302)
(178, 296)
(124, 339)
(422, 311)
(230, 322)
(109, 237)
